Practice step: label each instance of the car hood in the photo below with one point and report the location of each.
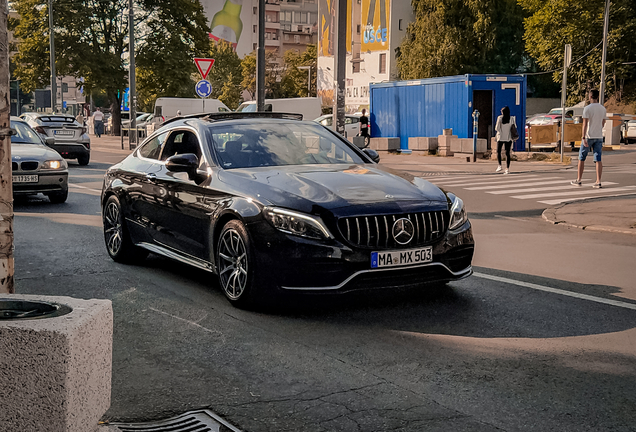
(35, 151)
(351, 188)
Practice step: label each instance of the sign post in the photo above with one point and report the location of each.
(203, 88)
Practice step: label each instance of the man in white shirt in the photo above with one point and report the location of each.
(593, 122)
(98, 122)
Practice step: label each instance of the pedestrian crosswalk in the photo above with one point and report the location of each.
(546, 188)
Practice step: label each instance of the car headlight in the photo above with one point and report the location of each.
(458, 213)
(299, 224)
(54, 164)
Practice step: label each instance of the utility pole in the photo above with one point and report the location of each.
(52, 58)
(605, 30)
(6, 180)
(340, 57)
(567, 59)
(132, 92)
(260, 58)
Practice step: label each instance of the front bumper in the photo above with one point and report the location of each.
(293, 263)
(47, 182)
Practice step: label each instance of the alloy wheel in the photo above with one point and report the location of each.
(113, 228)
(233, 264)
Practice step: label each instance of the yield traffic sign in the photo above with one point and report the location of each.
(204, 65)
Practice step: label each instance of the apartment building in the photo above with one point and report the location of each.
(375, 28)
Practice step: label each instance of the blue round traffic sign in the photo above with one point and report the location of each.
(203, 88)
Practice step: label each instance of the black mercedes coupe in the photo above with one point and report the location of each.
(271, 204)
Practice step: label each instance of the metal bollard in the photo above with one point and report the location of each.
(475, 132)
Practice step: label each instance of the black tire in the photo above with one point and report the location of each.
(235, 264)
(84, 159)
(58, 197)
(118, 243)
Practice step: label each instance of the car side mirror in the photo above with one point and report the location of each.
(49, 140)
(187, 163)
(375, 157)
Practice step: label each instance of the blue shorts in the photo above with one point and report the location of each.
(596, 145)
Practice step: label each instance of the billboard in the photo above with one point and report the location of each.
(375, 23)
(227, 19)
(327, 26)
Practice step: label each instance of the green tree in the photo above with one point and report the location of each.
(551, 25)
(91, 41)
(450, 37)
(295, 80)
(274, 76)
(175, 32)
(226, 74)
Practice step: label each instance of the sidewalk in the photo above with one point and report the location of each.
(612, 214)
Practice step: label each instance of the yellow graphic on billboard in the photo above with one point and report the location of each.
(327, 26)
(375, 22)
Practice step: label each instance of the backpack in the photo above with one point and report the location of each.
(514, 134)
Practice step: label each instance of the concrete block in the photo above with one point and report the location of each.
(358, 141)
(385, 144)
(55, 373)
(423, 143)
(465, 145)
(444, 143)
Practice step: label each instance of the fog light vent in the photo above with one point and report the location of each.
(192, 421)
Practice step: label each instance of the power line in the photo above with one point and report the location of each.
(574, 62)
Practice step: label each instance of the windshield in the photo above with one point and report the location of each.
(247, 107)
(24, 134)
(266, 143)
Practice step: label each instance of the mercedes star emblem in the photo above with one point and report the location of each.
(403, 231)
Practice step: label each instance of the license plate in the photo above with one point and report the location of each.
(399, 258)
(64, 132)
(25, 179)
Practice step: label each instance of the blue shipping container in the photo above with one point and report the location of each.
(423, 108)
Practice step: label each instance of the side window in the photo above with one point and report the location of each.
(152, 149)
(181, 142)
(267, 107)
(355, 119)
(348, 120)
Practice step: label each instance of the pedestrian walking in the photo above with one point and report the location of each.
(504, 136)
(364, 128)
(80, 119)
(592, 139)
(98, 122)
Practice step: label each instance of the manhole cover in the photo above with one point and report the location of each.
(192, 421)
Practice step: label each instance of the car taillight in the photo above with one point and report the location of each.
(40, 129)
(87, 145)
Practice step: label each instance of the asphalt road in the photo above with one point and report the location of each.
(543, 337)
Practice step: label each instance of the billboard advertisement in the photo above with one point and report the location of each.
(375, 24)
(227, 19)
(327, 26)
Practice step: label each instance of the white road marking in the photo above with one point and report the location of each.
(577, 193)
(491, 180)
(552, 188)
(559, 201)
(558, 291)
(532, 183)
(83, 187)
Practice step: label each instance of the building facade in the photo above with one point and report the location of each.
(375, 28)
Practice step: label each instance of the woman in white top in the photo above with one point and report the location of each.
(504, 137)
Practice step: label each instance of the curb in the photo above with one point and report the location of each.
(549, 215)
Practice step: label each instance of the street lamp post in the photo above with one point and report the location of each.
(52, 59)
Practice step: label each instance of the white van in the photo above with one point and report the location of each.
(309, 107)
(167, 107)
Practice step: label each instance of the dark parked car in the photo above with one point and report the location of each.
(36, 168)
(71, 138)
(270, 203)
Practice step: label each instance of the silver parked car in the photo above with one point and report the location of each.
(36, 168)
(71, 138)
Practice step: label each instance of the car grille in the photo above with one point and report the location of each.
(459, 258)
(14, 166)
(375, 231)
(29, 166)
